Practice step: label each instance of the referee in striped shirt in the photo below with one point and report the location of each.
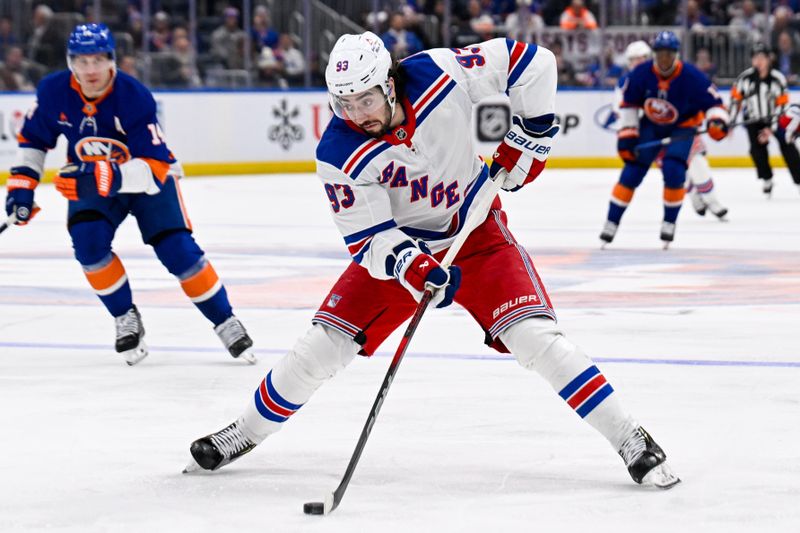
(760, 93)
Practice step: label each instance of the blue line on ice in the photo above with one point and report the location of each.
(423, 355)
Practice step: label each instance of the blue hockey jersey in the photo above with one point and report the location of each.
(677, 100)
(118, 126)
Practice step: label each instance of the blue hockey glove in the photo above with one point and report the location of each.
(86, 180)
(19, 199)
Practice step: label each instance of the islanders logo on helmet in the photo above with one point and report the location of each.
(91, 39)
(667, 40)
(660, 111)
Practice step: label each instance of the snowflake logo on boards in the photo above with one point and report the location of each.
(333, 300)
(285, 132)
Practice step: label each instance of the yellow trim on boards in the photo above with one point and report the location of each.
(285, 167)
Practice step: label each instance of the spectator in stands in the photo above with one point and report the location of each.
(183, 50)
(160, 35)
(660, 12)
(749, 20)
(16, 72)
(702, 61)
(577, 17)
(480, 20)
(566, 72)
(269, 68)
(46, 45)
(695, 18)
(292, 61)
(603, 74)
(263, 34)
(787, 60)
(7, 36)
(135, 28)
(398, 40)
(127, 64)
(227, 41)
(782, 21)
(522, 24)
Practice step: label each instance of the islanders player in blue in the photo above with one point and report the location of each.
(674, 98)
(118, 164)
(401, 174)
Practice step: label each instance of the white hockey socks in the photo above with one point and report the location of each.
(316, 357)
(539, 345)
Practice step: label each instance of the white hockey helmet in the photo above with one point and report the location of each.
(356, 64)
(637, 50)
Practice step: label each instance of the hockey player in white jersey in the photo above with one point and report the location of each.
(699, 183)
(789, 126)
(401, 173)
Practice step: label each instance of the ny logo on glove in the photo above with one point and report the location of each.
(86, 180)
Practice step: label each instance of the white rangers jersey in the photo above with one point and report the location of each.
(419, 181)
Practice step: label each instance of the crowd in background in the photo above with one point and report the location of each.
(271, 56)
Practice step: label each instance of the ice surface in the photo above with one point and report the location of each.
(700, 342)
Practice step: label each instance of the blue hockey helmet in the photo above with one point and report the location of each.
(666, 40)
(91, 39)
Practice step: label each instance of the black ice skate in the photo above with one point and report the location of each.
(218, 449)
(646, 461)
(608, 233)
(130, 337)
(667, 233)
(236, 339)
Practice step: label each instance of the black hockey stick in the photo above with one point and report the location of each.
(669, 140)
(478, 215)
(9, 221)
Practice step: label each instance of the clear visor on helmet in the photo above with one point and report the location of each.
(361, 105)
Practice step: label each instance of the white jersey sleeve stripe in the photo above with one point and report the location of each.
(359, 153)
(428, 94)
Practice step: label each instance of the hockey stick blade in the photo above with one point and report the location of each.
(475, 218)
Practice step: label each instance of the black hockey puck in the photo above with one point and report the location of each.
(314, 508)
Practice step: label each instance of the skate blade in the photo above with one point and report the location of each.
(248, 356)
(666, 245)
(661, 477)
(193, 467)
(135, 355)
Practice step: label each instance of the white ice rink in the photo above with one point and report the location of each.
(701, 342)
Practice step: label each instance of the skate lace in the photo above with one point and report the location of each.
(230, 331)
(127, 324)
(230, 441)
(633, 447)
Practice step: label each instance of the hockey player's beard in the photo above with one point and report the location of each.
(384, 125)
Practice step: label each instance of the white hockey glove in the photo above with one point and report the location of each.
(523, 152)
(417, 271)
